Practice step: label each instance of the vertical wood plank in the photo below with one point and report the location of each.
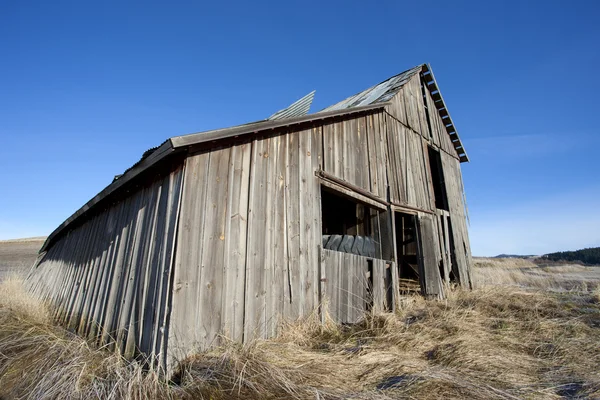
(235, 254)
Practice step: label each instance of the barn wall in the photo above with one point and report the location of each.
(413, 123)
(377, 152)
(408, 169)
(248, 238)
(354, 150)
(407, 106)
(460, 235)
(108, 278)
(349, 285)
(438, 128)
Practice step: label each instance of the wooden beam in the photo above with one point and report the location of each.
(403, 208)
(262, 126)
(351, 190)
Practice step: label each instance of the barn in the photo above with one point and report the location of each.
(228, 232)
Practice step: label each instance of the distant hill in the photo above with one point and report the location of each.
(512, 256)
(590, 256)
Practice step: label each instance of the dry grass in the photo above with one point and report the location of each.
(510, 338)
(39, 360)
(526, 274)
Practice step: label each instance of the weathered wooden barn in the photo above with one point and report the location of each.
(228, 232)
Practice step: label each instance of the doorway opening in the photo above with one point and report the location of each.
(408, 251)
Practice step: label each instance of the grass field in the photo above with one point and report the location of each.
(525, 332)
(16, 256)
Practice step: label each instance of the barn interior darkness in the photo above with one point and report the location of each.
(344, 216)
(437, 177)
(407, 245)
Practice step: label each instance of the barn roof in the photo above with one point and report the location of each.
(384, 91)
(371, 99)
(380, 93)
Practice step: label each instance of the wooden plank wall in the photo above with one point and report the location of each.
(408, 175)
(355, 150)
(108, 279)
(248, 240)
(432, 256)
(409, 178)
(407, 106)
(441, 139)
(345, 286)
(460, 234)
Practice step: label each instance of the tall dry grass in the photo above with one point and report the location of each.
(510, 338)
(39, 360)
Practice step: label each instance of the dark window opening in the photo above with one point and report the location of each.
(437, 178)
(407, 246)
(343, 216)
(349, 226)
(389, 288)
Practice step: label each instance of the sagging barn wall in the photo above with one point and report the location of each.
(109, 278)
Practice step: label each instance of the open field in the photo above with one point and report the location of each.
(17, 256)
(526, 332)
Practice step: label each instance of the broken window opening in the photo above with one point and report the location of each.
(437, 179)
(348, 225)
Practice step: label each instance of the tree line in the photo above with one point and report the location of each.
(586, 256)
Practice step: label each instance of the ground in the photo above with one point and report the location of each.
(526, 331)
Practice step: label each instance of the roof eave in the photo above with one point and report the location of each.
(432, 85)
(159, 154)
(241, 130)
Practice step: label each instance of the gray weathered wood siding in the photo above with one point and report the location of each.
(347, 287)
(458, 217)
(248, 237)
(440, 136)
(108, 279)
(410, 129)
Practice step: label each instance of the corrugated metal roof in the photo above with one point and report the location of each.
(296, 109)
(379, 93)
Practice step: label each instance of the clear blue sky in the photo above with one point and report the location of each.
(86, 87)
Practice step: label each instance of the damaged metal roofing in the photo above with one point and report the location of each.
(379, 93)
(296, 109)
